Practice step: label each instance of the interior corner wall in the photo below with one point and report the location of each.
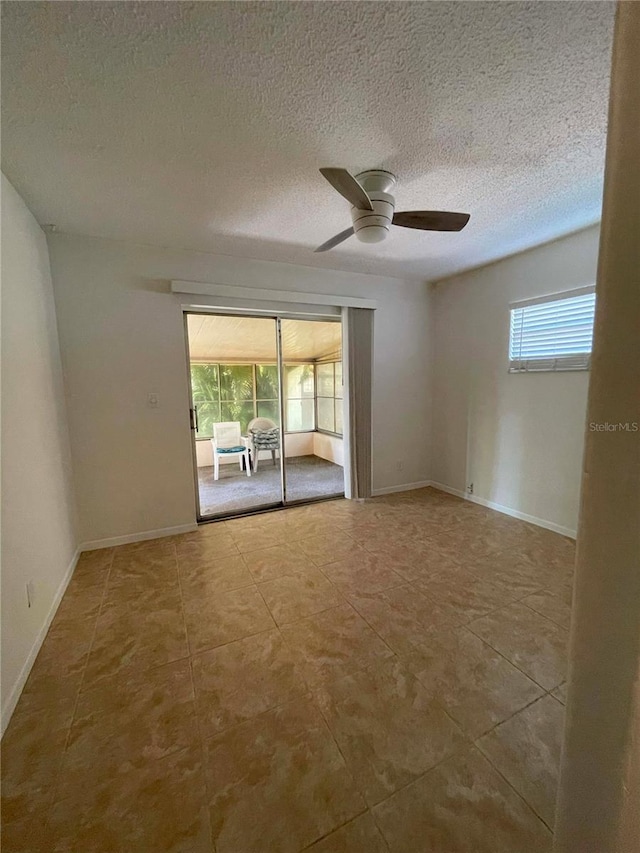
(122, 338)
(38, 507)
(518, 438)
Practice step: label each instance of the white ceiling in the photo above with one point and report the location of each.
(203, 125)
(217, 338)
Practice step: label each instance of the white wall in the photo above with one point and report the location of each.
(122, 337)
(328, 447)
(517, 437)
(38, 509)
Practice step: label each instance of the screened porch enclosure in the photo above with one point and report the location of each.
(234, 375)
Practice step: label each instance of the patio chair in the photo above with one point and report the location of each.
(228, 441)
(263, 435)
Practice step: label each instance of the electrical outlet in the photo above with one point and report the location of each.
(399, 465)
(153, 401)
(470, 488)
(31, 593)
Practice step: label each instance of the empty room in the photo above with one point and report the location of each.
(320, 427)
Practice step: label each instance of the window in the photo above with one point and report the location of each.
(299, 393)
(233, 392)
(240, 392)
(267, 405)
(329, 396)
(205, 384)
(552, 333)
(236, 393)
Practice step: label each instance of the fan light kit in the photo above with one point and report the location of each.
(373, 208)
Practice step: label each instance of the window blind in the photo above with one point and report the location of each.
(552, 333)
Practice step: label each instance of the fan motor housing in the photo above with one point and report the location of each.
(373, 226)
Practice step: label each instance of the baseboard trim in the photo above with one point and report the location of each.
(12, 700)
(94, 544)
(514, 513)
(405, 487)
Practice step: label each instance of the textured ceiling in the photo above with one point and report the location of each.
(202, 125)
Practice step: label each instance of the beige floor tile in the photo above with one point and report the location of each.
(49, 690)
(260, 537)
(388, 728)
(449, 544)
(258, 521)
(141, 634)
(205, 550)
(245, 522)
(153, 563)
(464, 595)
(526, 751)
(278, 782)
(341, 512)
(32, 750)
(461, 806)
(147, 807)
(26, 836)
(333, 644)
(213, 530)
(508, 571)
(499, 537)
(499, 522)
(416, 561)
(561, 693)
(139, 597)
(472, 539)
(134, 715)
(361, 835)
(236, 682)
(163, 544)
(58, 670)
(329, 549)
(477, 686)
(367, 524)
(294, 597)
(416, 566)
(293, 530)
(531, 642)
(562, 586)
(362, 573)
(225, 617)
(29, 835)
(92, 567)
(551, 557)
(402, 616)
(142, 574)
(225, 574)
(552, 606)
(266, 564)
(375, 536)
(79, 603)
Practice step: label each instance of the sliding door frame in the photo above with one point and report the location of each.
(277, 318)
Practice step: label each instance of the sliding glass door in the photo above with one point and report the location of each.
(234, 377)
(312, 374)
(266, 411)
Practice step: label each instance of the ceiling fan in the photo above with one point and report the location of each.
(373, 208)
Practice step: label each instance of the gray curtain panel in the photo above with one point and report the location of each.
(358, 328)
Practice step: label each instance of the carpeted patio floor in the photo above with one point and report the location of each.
(307, 477)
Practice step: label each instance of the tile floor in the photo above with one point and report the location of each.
(385, 676)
